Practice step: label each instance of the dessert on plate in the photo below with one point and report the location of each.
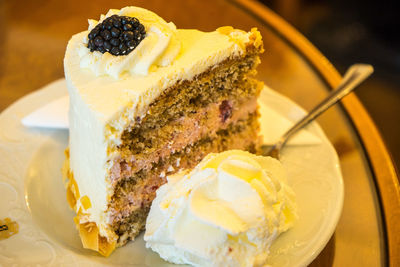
(227, 211)
(146, 100)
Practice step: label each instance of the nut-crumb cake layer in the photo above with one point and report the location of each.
(136, 118)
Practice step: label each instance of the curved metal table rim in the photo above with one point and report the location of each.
(383, 169)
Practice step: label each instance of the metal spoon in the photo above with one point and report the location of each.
(355, 75)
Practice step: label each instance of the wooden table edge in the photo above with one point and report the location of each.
(379, 158)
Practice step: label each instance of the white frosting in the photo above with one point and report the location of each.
(101, 107)
(226, 212)
(160, 46)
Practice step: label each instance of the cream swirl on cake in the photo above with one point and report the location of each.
(226, 212)
(158, 49)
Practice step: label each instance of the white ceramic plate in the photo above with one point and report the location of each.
(32, 194)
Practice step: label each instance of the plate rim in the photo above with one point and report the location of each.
(339, 204)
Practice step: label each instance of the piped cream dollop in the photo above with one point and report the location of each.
(225, 212)
(158, 49)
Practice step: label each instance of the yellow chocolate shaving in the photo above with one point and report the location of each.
(89, 235)
(76, 220)
(8, 228)
(74, 187)
(256, 39)
(106, 248)
(69, 182)
(225, 30)
(91, 238)
(86, 202)
(88, 231)
(230, 32)
(65, 168)
(71, 198)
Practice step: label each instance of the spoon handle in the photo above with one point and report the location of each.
(355, 75)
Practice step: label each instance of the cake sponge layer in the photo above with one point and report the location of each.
(186, 112)
(133, 196)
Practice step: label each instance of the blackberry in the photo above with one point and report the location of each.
(118, 35)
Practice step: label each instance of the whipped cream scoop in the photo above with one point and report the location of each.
(227, 211)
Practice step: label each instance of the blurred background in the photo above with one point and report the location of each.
(350, 31)
(345, 32)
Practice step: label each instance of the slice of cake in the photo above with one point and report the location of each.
(147, 100)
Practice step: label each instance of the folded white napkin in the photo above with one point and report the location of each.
(51, 115)
(273, 122)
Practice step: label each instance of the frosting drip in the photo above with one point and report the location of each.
(158, 49)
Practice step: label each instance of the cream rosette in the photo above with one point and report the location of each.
(158, 49)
